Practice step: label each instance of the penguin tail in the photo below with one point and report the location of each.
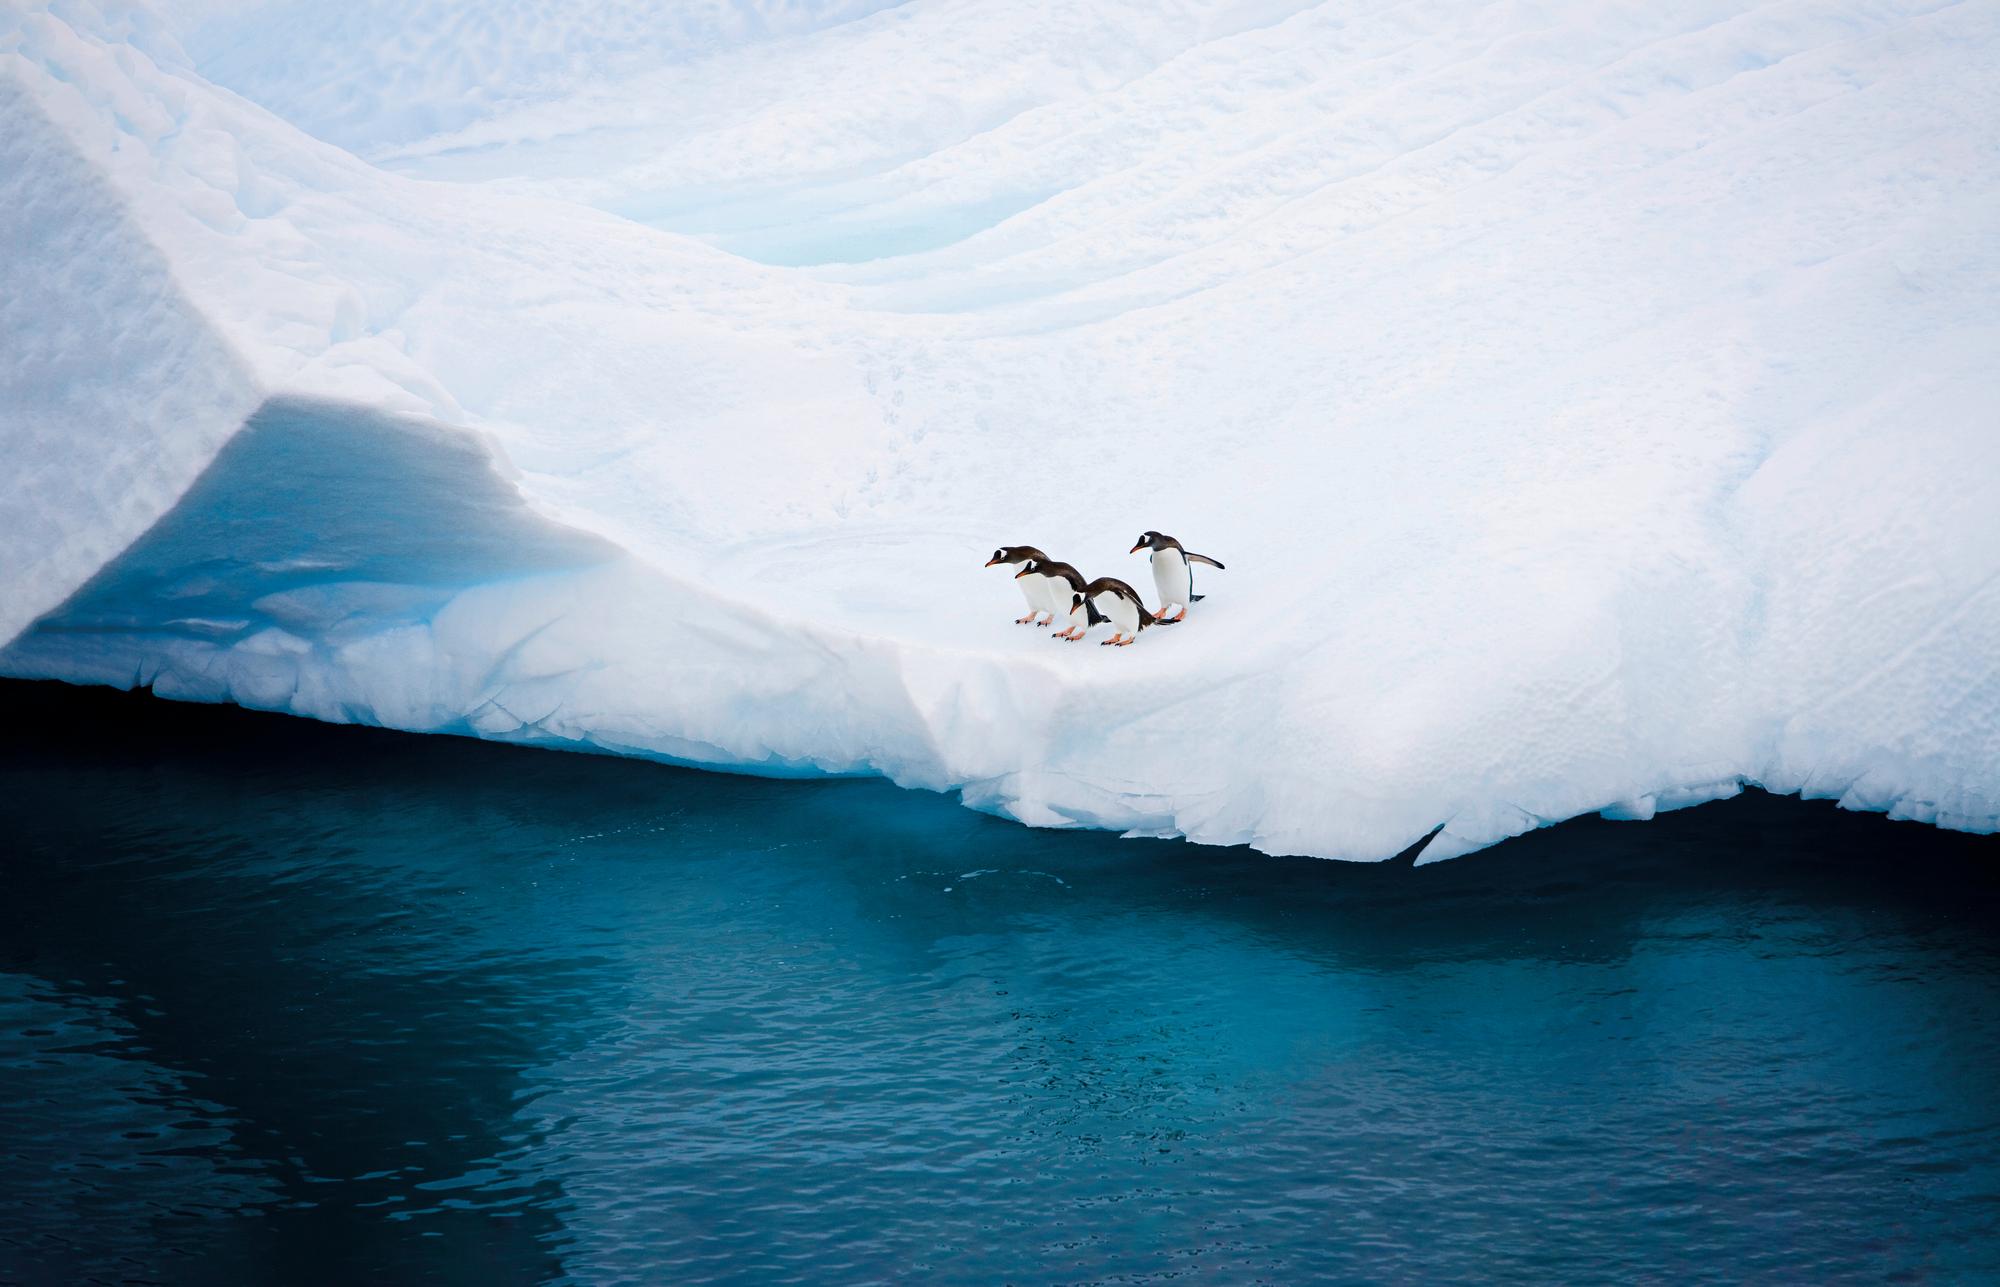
(1196, 598)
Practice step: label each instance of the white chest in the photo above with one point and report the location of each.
(1118, 610)
(1171, 576)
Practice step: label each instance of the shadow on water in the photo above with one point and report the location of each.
(290, 1002)
(152, 872)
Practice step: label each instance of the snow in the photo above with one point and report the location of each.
(114, 392)
(1595, 404)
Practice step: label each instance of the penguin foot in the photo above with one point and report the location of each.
(1022, 621)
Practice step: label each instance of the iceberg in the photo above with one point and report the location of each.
(1597, 407)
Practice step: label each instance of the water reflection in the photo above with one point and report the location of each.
(322, 1004)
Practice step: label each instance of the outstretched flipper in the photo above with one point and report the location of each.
(1202, 558)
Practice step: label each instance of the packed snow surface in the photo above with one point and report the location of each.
(1596, 403)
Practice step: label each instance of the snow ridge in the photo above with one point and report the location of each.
(114, 392)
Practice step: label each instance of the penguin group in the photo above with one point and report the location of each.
(1054, 589)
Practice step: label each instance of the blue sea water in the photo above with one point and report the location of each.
(288, 1003)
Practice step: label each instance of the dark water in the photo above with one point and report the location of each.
(281, 1002)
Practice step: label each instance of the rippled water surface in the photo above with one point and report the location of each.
(281, 1002)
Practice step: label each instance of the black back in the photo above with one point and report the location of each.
(1050, 567)
(1113, 585)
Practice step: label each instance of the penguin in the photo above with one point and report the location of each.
(1172, 576)
(1033, 587)
(1065, 586)
(1121, 606)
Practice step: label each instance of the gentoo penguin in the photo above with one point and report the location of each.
(1065, 585)
(1033, 586)
(1120, 605)
(1172, 576)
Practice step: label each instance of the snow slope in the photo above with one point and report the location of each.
(1596, 404)
(114, 393)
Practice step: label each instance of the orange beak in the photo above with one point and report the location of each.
(1018, 575)
(991, 562)
(1135, 549)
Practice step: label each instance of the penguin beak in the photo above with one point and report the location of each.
(1018, 575)
(1135, 549)
(991, 562)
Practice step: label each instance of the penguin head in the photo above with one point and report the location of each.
(1147, 541)
(1015, 554)
(1029, 568)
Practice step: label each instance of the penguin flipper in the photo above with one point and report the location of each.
(1203, 558)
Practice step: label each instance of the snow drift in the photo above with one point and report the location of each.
(1598, 408)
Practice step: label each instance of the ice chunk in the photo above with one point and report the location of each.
(1594, 405)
